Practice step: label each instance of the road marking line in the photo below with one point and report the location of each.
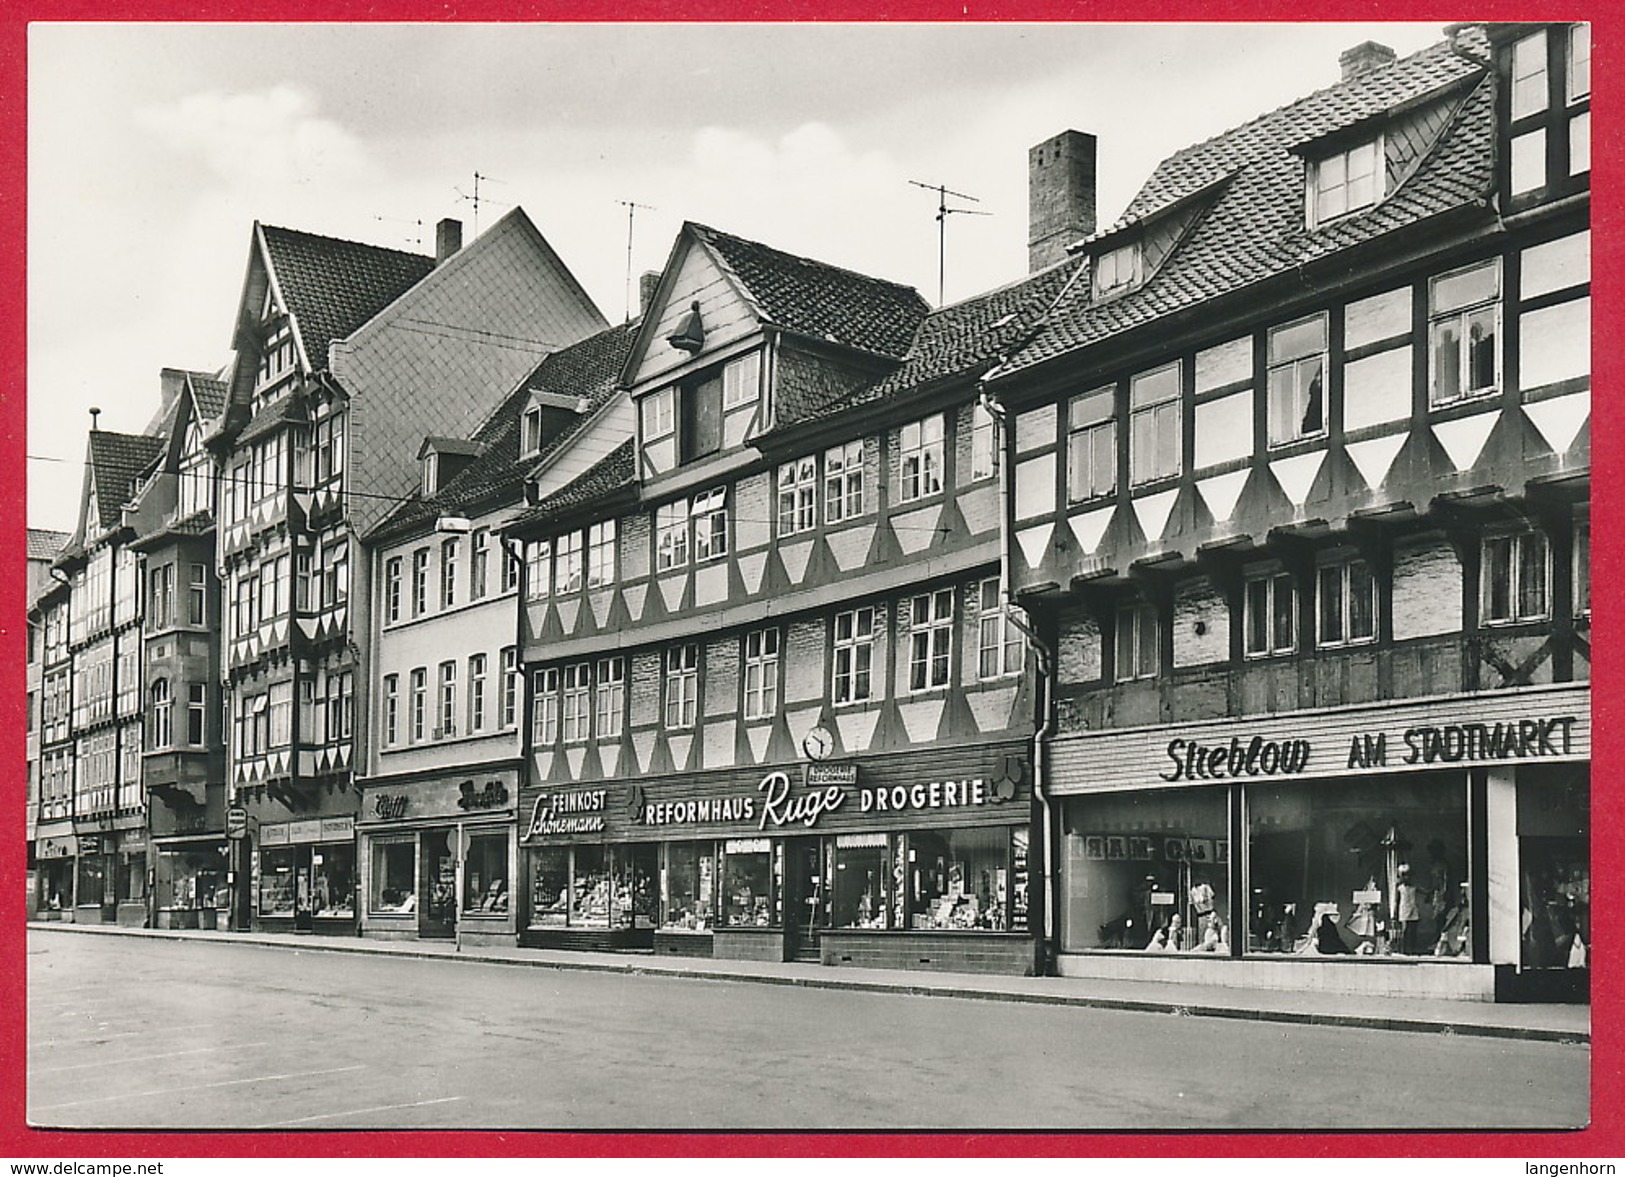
(143, 1058)
(98, 1039)
(388, 1107)
(51, 1107)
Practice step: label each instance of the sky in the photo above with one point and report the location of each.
(154, 147)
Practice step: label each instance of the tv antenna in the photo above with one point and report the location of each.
(632, 207)
(943, 210)
(416, 236)
(475, 198)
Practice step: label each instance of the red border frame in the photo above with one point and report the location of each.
(1604, 1138)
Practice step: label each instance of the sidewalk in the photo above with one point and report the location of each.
(1545, 1023)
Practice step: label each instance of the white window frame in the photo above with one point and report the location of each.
(509, 661)
(984, 449)
(420, 582)
(1462, 318)
(447, 714)
(798, 496)
(1338, 577)
(448, 573)
(1138, 637)
(742, 381)
(1117, 269)
(920, 449)
(601, 554)
(1001, 647)
(843, 482)
(709, 514)
(659, 415)
(1515, 542)
(1158, 415)
(1268, 585)
(1529, 84)
(1294, 374)
(544, 719)
(392, 709)
(530, 432)
(1335, 190)
(1580, 592)
(761, 648)
(568, 576)
(163, 715)
(852, 678)
(576, 711)
(1578, 34)
(671, 535)
(682, 685)
(420, 703)
(479, 564)
(538, 569)
(476, 693)
(1091, 433)
(931, 641)
(611, 697)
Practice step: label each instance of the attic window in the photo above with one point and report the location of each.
(1118, 269)
(530, 432)
(1345, 182)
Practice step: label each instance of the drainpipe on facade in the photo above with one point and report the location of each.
(1044, 660)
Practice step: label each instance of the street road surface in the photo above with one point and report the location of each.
(146, 1033)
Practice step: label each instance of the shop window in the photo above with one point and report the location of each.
(1346, 594)
(863, 881)
(747, 883)
(1516, 574)
(420, 703)
(1154, 433)
(448, 573)
(333, 880)
(544, 729)
(671, 535)
(919, 451)
(601, 554)
(1138, 641)
(689, 902)
(591, 893)
(959, 880)
(479, 559)
(277, 881)
(1001, 647)
(476, 693)
(1297, 380)
(798, 491)
(550, 886)
(577, 705)
(1464, 327)
(984, 451)
(567, 563)
(394, 875)
(1091, 455)
(1582, 562)
(392, 708)
(710, 514)
(161, 716)
(1345, 182)
(682, 685)
(930, 640)
(854, 656)
(1554, 869)
(1147, 871)
(611, 696)
(843, 482)
(191, 880)
(420, 582)
(538, 570)
(762, 674)
(510, 686)
(1270, 614)
(1371, 867)
(485, 875)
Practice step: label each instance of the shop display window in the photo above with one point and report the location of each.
(635, 870)
(192, 879)
(1146, 870)
(863, 875)
(1554, 869)
(747, 883)
(1361, 868)
(690, 887)
(959, 880)
(277, 881)
(550, 886)
(591, 889)
(332, 869)
(485, 875)
(394, 875)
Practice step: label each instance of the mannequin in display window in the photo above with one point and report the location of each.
(1213, 938)
(1407, 909)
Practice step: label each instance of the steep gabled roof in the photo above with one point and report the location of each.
(116, 461)
(45, 545)
(818, 300)
(331, 287)
(588, 370)
(1254, 228)
(616, 471)
(209, 394)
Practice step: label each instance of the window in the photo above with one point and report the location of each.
(710, 512)
(392, 589)
(301, 583)
(843, 482)
(161, 716)
(1464, 321)
(798, 489)
(329, 448)
(854, 656)
(197, 589)
(601, 554)
(1530, 90)
(1091, 456)
(544, 717)
(671, 535)
(1137, 641)
(577, 705)
(984, 452)
(448, 574)
(420, 703)
(742, 381)
(682, 684)
(485, 875)
(394, 875)
(1270, 605)
(1117, 269)
(1000, 645)
(392, 708)
(162, 597)
(611, 696)
(1346, 603)
(510, 568)
(530, 432)
(919, 447)
(448, 702)
(510, 686)
(930, 639)
(1516, 571)
(659, 414)
(1578, 82)
(197, 705)
(762, 674)
(479, 551)
(1297, 396)
(1582, 563)
(279, 715)
(567, 563)
(1153, 428)
(476, 693)
(340, 706)
(538, 569)
(420, 582)
(1345, 182)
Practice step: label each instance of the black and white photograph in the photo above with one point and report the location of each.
(809, 577)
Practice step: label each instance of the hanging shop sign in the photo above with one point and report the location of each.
(1492, 729)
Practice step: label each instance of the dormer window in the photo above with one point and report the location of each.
(703, 413)
(1117, 269)
(1345, 182)
(547, 417)
(530, 432)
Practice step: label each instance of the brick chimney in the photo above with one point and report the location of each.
(1060, 196)
(648, 283)
(448, 238)
(1365, 57)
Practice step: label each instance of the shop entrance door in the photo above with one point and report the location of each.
(437, 908)
(304, 898)
(806, 909)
